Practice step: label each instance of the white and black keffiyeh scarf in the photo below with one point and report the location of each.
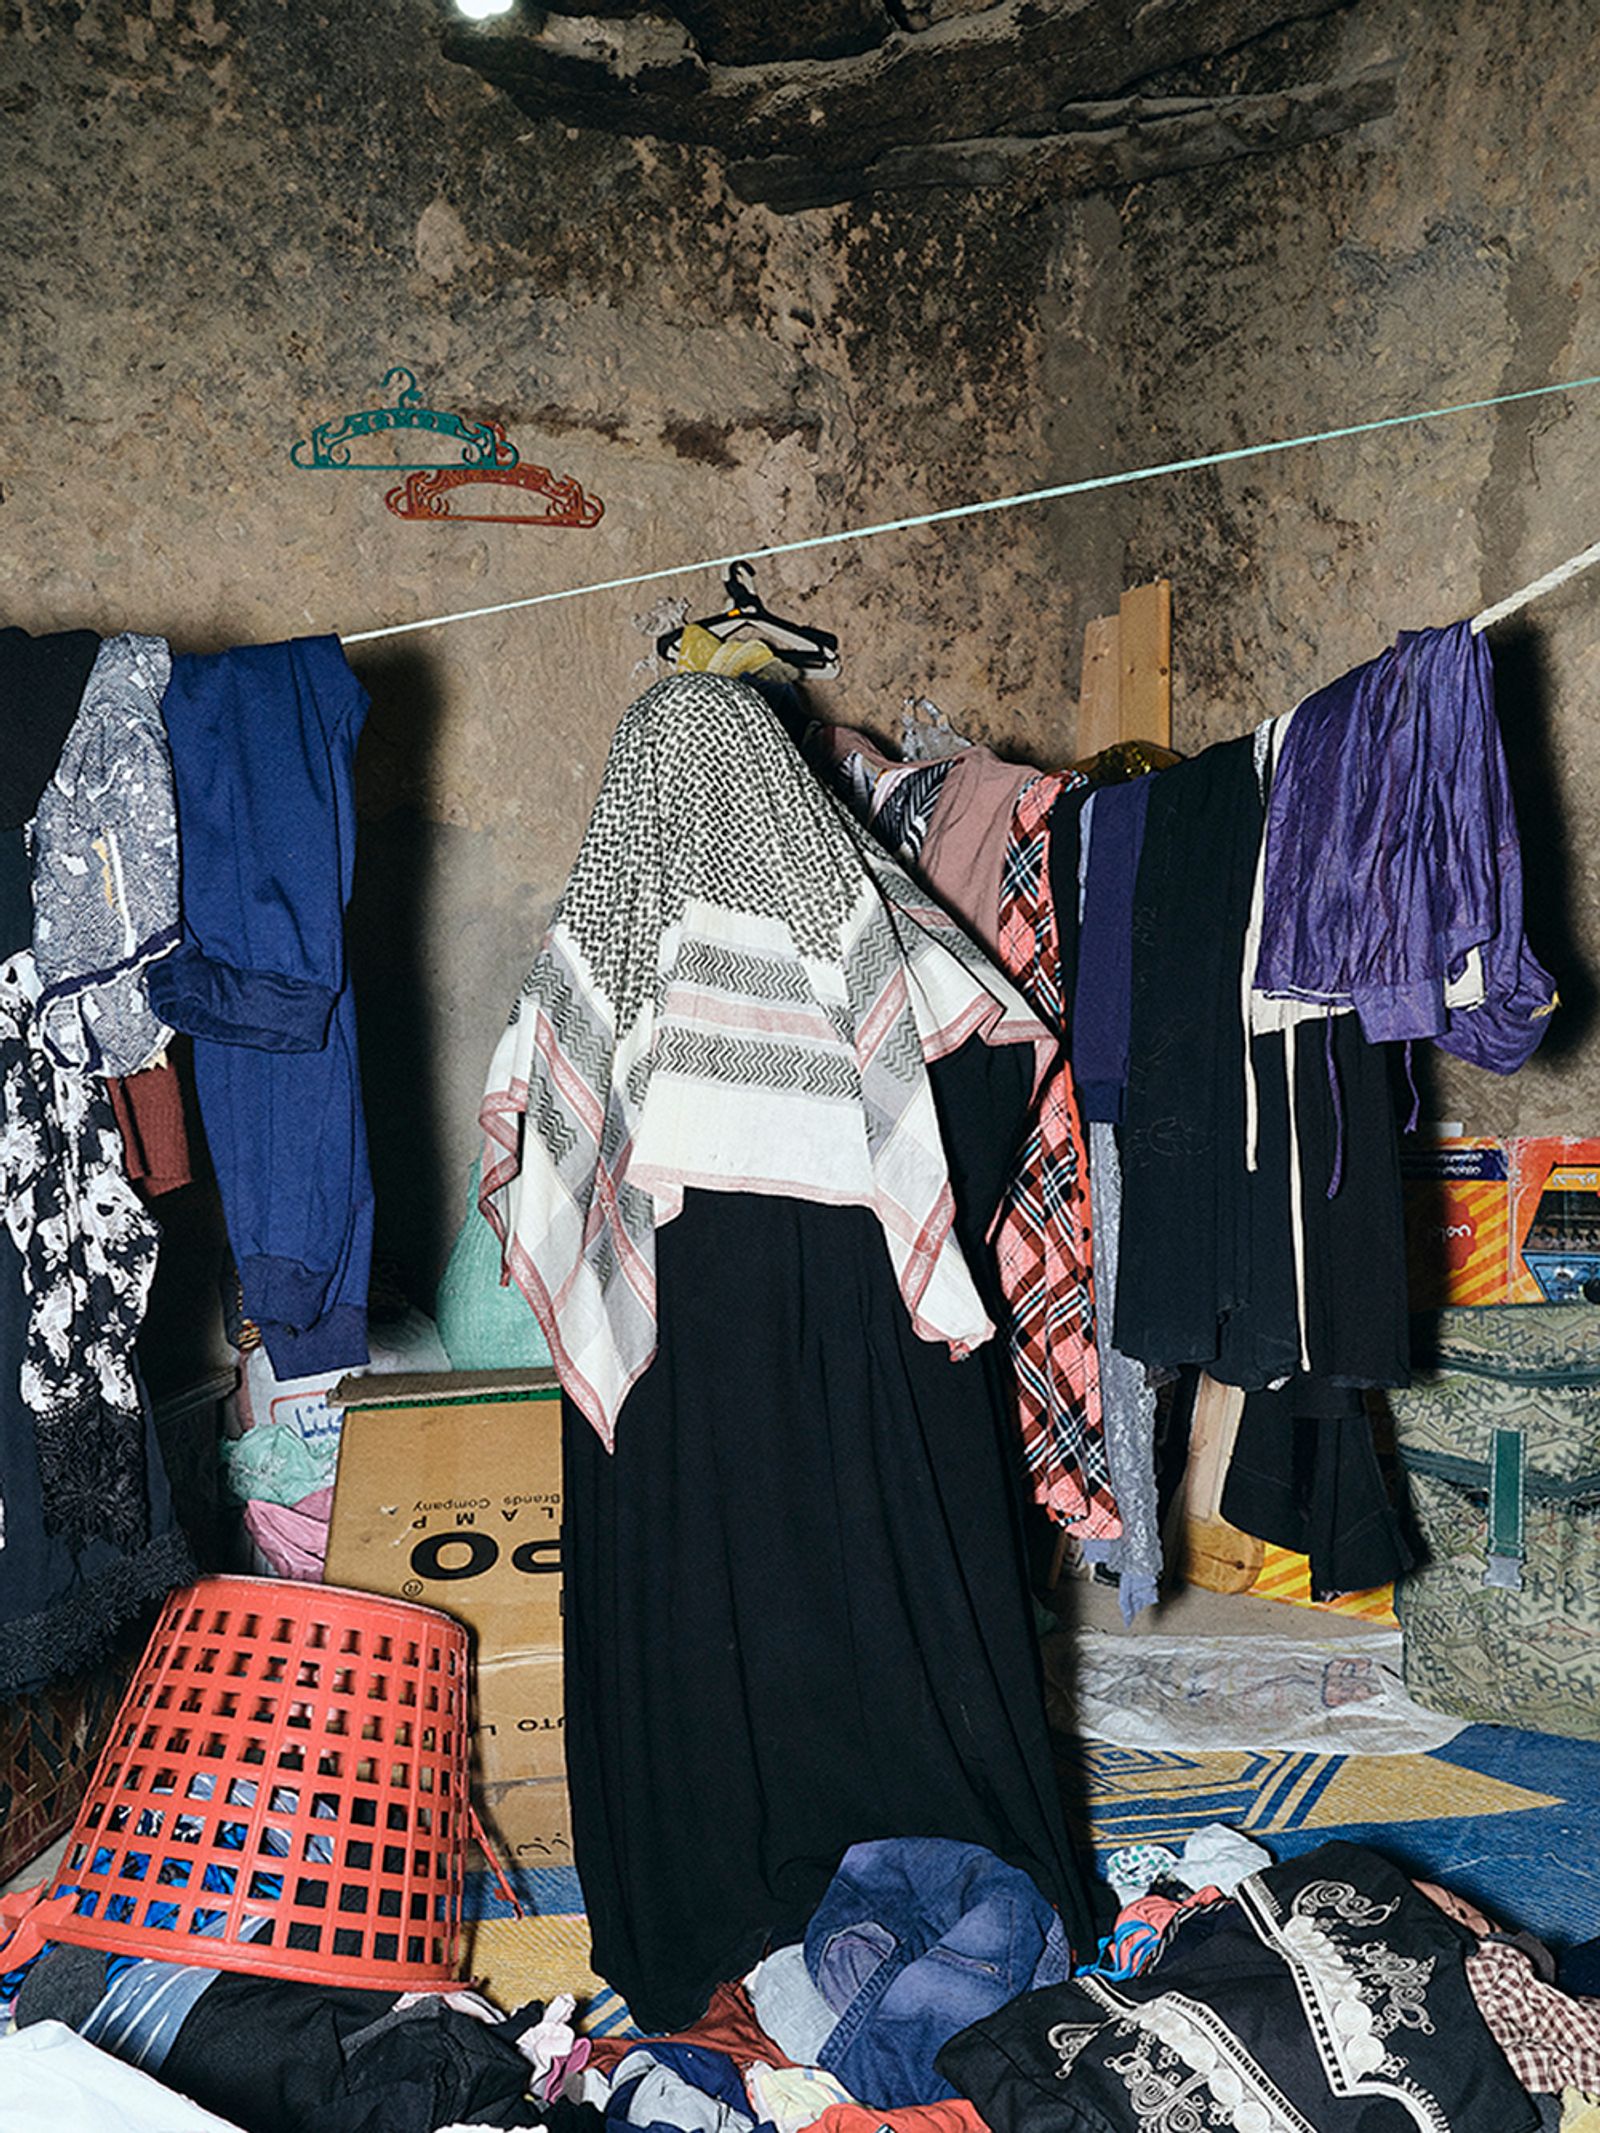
(739, 990)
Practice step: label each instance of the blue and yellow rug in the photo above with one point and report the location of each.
(541, 1954)
(1510, 1819)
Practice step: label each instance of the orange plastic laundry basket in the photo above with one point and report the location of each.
(284, 1791)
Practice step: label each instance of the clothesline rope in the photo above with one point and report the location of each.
(1552, 579)
(1034, 496)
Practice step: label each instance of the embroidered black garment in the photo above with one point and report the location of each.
(1329, 1997)
(62, 1604)
(88, 1253)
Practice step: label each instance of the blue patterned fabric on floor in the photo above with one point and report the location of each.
(1509, 1819)
(547, 1891)
(544, 1952)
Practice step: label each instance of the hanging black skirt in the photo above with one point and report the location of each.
(796, 1613)
(1207, 1269)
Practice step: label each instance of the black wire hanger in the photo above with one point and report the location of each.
(812, 651)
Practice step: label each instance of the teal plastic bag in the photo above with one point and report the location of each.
(484, 1325)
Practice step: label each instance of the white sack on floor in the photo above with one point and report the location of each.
(1335, 1696)
(49, 2078)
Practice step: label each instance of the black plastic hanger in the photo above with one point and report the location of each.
(813, 651)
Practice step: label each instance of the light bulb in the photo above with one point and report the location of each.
(481, 10)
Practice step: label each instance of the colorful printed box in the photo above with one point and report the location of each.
(1555, 1221)
(1458, 1222)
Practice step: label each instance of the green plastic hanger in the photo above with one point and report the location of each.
(327, 449)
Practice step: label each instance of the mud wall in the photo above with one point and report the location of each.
(224, 224)
(1444, 255)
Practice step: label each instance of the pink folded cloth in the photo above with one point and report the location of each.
(291, 1541)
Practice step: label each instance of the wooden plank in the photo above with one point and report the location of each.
(1099, 692)
(1212, 1432)
(1216, 1555)
(1144, 678)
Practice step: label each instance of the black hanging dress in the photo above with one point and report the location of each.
(744, 1136)
(796, 1614)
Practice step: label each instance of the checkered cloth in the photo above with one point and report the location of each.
(1043, 1241)
(1551, 2039)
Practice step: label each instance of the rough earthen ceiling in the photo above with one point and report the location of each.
(818, 101)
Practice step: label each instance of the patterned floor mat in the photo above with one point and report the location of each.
(1510, 1819)
(544, 1952)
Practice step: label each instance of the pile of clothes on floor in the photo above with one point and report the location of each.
(150, 2047)
(934, 1992)
(1328, 1991)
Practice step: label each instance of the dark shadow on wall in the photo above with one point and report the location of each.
(1523, 700)
(396, 1019)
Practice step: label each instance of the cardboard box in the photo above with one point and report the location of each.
(530, 1824)
(449, 1493)
(1555, 1221)
(1457, 1196)
(519, 1717)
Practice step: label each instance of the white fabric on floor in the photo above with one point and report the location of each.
(1332, 1696)
(1217, 1857)
(50, 2077)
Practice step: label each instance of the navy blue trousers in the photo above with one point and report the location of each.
(263, 746)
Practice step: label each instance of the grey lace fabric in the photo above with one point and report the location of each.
(88, 1252)
(1127, 1399)
(105, 867)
